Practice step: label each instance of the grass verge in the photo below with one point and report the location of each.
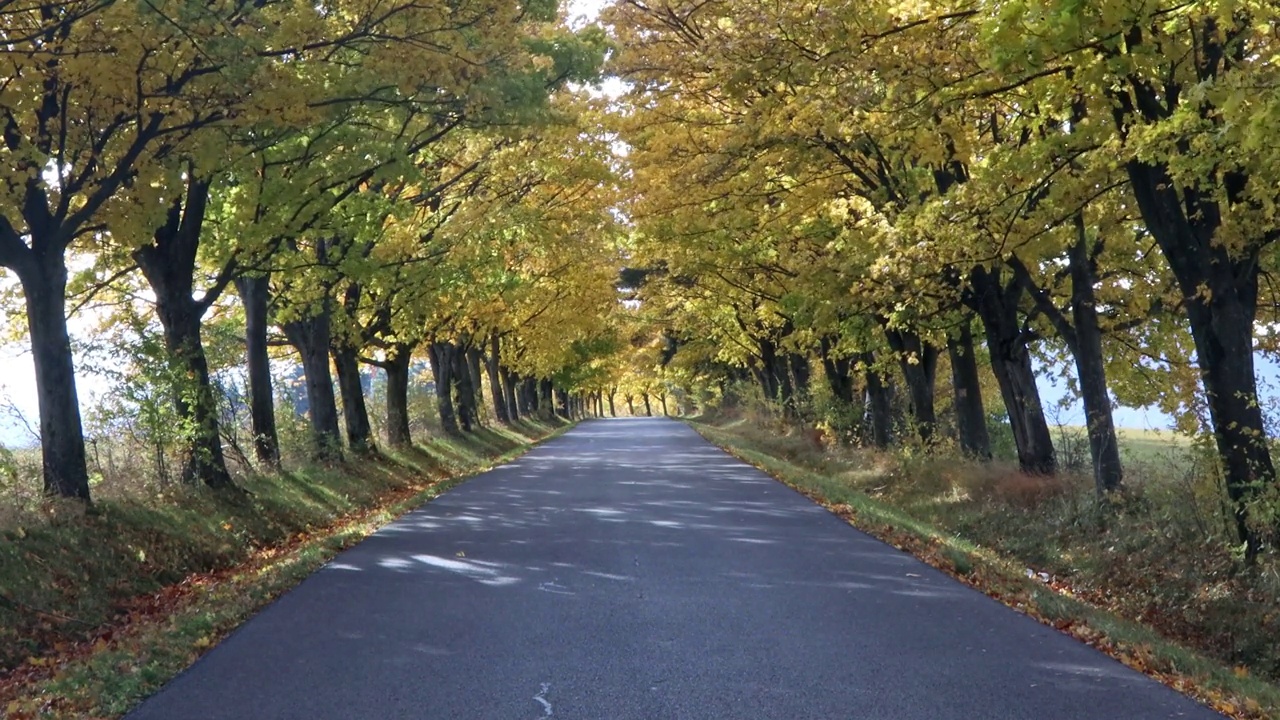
(847, 486)
(100, 610)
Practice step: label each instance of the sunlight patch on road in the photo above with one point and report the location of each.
(486, 573)
(541, 699)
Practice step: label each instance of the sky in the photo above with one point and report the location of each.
(17, 375)
(584, 10)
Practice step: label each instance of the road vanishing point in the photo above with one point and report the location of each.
(631, 570)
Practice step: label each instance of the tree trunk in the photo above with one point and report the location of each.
(919, 363)
(879, 403)
(768, 372)
(801, 372)
(475, 364)
(997, 306)
(838, 371)
(397, 368)
(465, 397)
(613, 410)
(254, 295)
(546, 403)
(562, 404)
(44, 285)
(782, 378)
(355, 412)
(1083, 337)
(1091, 370)
(648, 409)
(1104, 444)
(168, 264)
(510, 393)
(440, 355)
(346, 348)
(311, 337)
(196, 403)
(529, 397)
(631, 406)
(493, 365)
(971, 416)
(1220, 290)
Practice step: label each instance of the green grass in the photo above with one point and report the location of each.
(74, 575)
(1148, 581)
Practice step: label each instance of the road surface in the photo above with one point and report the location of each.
(631, 570)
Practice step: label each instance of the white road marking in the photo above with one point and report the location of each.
(541, 699)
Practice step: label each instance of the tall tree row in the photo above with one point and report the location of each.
(875, 188)
(351, 177)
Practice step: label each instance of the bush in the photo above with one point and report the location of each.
(1003, 446)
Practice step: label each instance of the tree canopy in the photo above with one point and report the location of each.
(821, 205)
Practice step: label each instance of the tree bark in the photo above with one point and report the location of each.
(919, 363)
(562, 404)
(355, 412)
(465, 393)
(311, 337)
(510, 392)
(1221, 325)
(169, 264)
(1104, 444)
(44, 285)
(879, 403)
(838, 371)
(196, 404)
(440, 355)
(254, 295)
(631, 406)
(475, 364)
(648, 409)
(396, 366)
(782, 379)
(546, 403)
(529, 397)
(1218, 277)
(493, 365)
(801, 373)
(346, 347)
(768, 372)
(971, 416)
(997, 305)
(1083, 337)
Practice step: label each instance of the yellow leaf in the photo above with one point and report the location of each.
(203, 642)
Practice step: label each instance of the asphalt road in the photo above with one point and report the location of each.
(631, 570)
